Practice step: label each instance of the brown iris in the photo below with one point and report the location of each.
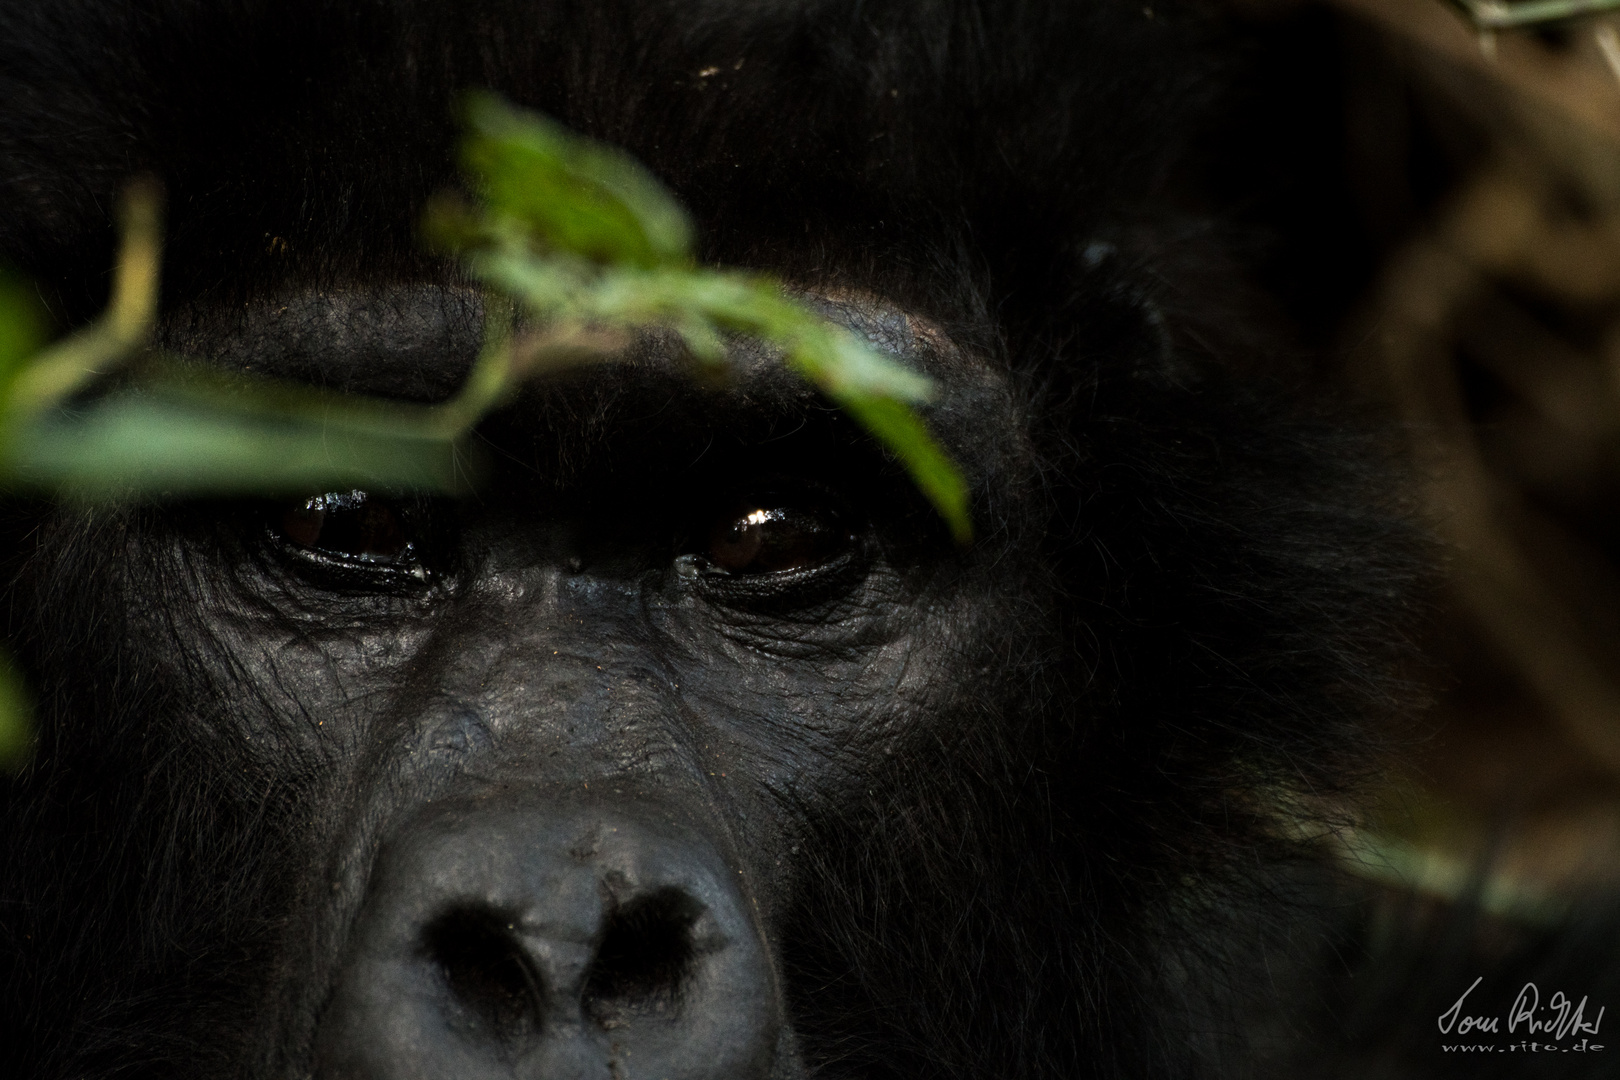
(351, 524)
(754, 539)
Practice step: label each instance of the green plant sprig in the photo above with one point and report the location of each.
(576, 236)
(588, 242)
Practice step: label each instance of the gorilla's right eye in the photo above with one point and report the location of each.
(761, 538)
(355, 526)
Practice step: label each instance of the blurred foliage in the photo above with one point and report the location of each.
(22, 329)
(1465, 214)
(574, 236)
(1511, 14)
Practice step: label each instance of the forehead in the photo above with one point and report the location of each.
(415, 340)
(418, 341)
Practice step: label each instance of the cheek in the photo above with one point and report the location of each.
(296, 684)
(797, 697)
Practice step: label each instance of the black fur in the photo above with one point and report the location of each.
(1175, 637)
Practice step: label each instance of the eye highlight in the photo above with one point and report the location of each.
(763, 539)
(352, 525)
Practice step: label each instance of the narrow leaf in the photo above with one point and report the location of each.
(579, 196)
(143, 443)
(16, 728)
(898, 427)
(22, 329)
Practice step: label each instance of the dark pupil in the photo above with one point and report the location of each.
(768, 541)
(348, 523)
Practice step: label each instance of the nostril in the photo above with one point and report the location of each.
(646, 956)
(540, 934)
(490, 979)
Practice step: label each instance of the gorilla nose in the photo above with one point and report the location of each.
(551, 944)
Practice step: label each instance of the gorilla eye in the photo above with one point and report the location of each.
(351, 525)
(755, 539)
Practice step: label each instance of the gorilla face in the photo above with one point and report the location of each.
(556, 745)
(691, 745)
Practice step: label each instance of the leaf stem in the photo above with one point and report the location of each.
(1502, 15)
(69, 365)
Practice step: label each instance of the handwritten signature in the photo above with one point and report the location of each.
(1562, 1017)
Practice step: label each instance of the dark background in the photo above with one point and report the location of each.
(1438, 214)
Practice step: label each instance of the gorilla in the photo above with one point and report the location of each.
(689, 744)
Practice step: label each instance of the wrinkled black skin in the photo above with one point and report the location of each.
(1005, 810)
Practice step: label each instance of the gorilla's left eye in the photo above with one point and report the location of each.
(351, 525)
(766, 539)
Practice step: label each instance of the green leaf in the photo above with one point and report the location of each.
(704, 305)
(899, 428)
(552, 198)
(146, 443)
(16, 727)
(22, 326)
(577, 196)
